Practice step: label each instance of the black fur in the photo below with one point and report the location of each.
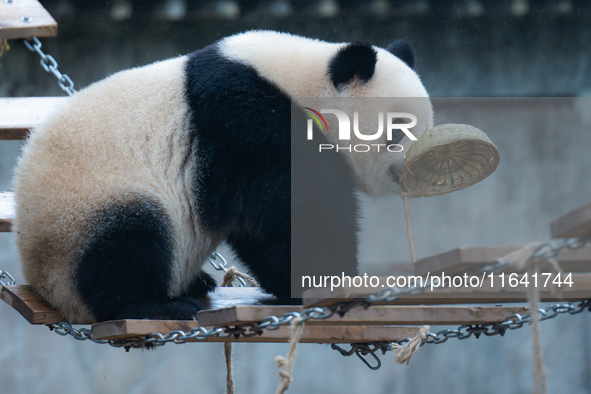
(402, 50)
(201, 285)
(354, 60)
(125, 268)
(242, 127)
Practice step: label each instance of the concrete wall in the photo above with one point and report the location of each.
(544, 172)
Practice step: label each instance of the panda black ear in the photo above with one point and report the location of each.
(402, 50)
(354, 60)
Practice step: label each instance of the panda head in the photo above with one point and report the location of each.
(320, 74)
(384, 82)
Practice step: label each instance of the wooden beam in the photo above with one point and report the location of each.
(495, 294)
(119, 329)
(467, 258)
(576, 223)
(30, 305)
(6, 211)
(25, 19)
(19, 115)
(375, 315)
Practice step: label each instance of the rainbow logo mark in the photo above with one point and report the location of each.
(315, 115)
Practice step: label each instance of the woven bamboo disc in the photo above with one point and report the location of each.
(447, 158)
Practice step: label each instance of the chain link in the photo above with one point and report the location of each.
(64, 329)
(6, 279)
(363, 350)
(223, 266)
(50, 65)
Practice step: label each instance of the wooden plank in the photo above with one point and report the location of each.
(486, 293)
(24, 19)
(6, 211)
(467, 258)
(19, 115)
(29, 304)
(576, 223)
(119, 329)
(375, 315)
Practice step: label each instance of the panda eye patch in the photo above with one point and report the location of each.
(397, 134)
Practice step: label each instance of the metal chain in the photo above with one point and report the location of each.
(363, 350)
(6, 279)
(513, 322)
(50, 65)
(64, 329)
(223, 266)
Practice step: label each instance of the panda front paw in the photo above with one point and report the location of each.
(182, 308)
(201, 285)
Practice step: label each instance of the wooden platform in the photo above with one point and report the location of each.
(19, 115)
(465, 259)
(25, 19)
(36, 311)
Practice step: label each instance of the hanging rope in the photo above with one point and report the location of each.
(533, 296)
(411, 241)
(230, 275)
(286, 363)
(229, 373)
(521, 260)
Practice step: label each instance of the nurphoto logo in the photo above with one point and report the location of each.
(394, 121)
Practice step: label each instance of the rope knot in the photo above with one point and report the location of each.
(403, 353)
(282, 362)
(232, 273)
(286, 363)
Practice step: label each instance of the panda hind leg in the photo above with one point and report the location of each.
(124, 270)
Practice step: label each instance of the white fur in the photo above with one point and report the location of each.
(108, 142)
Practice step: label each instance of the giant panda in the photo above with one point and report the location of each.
(128, 187)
